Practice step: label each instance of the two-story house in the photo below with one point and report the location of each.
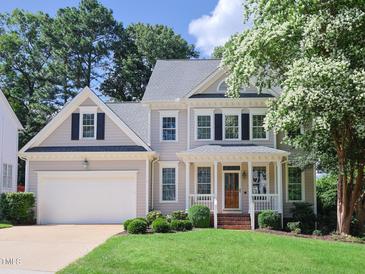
(9, 128)
(185, 143)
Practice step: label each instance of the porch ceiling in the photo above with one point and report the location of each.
(232, 153)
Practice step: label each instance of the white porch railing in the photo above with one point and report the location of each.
(265, 202)
(202, 199)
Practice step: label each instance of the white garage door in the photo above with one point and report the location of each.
(86, 197)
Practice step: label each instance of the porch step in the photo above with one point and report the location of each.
(234, 221)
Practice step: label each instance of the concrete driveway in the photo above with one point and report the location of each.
(49, 248)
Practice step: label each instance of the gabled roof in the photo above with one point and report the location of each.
(4, 102)
(72, 106)
(174, 79)
(135, 115)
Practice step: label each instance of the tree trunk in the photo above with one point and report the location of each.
(360, 214)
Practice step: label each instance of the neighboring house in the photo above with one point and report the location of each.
(9, 128)
(184, 144)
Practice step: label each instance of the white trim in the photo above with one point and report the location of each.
(196, 166)
(149, 125)
(302, 176)
(219, 85)
(187, 185)
(234, 112)
(87, 110)
(203, 112)
(188, 137)
(10, 111)
(215, 211)
(257, 111)
(239, 186)
(147, 184)
(169, 164)
(26, 175)
(166, 114)
(70, 108)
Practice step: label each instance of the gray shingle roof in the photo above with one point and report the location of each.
(135, 115)
(88, 149)
(172, 79)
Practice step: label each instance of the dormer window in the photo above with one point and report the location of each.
(88, 122)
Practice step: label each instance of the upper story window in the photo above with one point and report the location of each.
(295, 184)
(88, 122)
(232, 122)
(169, 125)
(204, 124)
(258, 131)
(7, 176)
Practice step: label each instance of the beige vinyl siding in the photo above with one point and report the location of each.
(167, 150)
(139, 165)
(62, 136)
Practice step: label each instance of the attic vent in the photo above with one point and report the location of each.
(223, 86)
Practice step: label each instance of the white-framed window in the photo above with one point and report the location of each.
(260, 179)
(88, 122)
(169, 125)
(168, 182)
(222, 86)
(232, 124)
(7, 176)
(204, 121)
(258, 131)
(295, 186)
(204, 179)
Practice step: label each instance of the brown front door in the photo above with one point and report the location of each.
(231, 190)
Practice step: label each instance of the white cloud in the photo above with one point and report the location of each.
(215, 29)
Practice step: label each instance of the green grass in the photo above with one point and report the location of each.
(220, 251)
(5, 225)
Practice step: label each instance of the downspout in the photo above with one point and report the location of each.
(152, 179)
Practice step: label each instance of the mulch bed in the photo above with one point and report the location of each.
(331, 237)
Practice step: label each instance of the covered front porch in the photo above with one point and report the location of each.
(234, 179)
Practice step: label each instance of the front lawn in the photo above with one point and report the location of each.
(220, 251)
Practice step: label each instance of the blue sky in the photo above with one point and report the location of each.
(206, 23)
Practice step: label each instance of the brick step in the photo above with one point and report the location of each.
(235, 227)
(234, 218)
(233, 223)
(233, 215)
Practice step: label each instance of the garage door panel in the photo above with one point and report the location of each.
(86, 198)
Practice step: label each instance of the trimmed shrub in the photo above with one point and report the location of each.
(179, 215)
(294, 227)
(269, 219)
(160, 225)
(137, 226)
(153, 215)
(199, 215)
(178, 225)
(187, 224)
(17, 207)
(126, 223)
(303, 213)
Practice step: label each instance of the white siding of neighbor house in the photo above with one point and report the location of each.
(62, 135)
(8, 146)
(120, 165)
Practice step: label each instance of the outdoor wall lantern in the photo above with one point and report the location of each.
(85, 163)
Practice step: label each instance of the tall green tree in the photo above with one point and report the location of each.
(313, 50)
(128, 78)
(82, 41)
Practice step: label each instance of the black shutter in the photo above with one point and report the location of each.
(218, 120)
(245, 127)
(100, 128)
(75, 126)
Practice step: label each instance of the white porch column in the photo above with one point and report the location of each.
(250, 208)
(187, 184)
(215, 194)
(26, 183)
(280, 185)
